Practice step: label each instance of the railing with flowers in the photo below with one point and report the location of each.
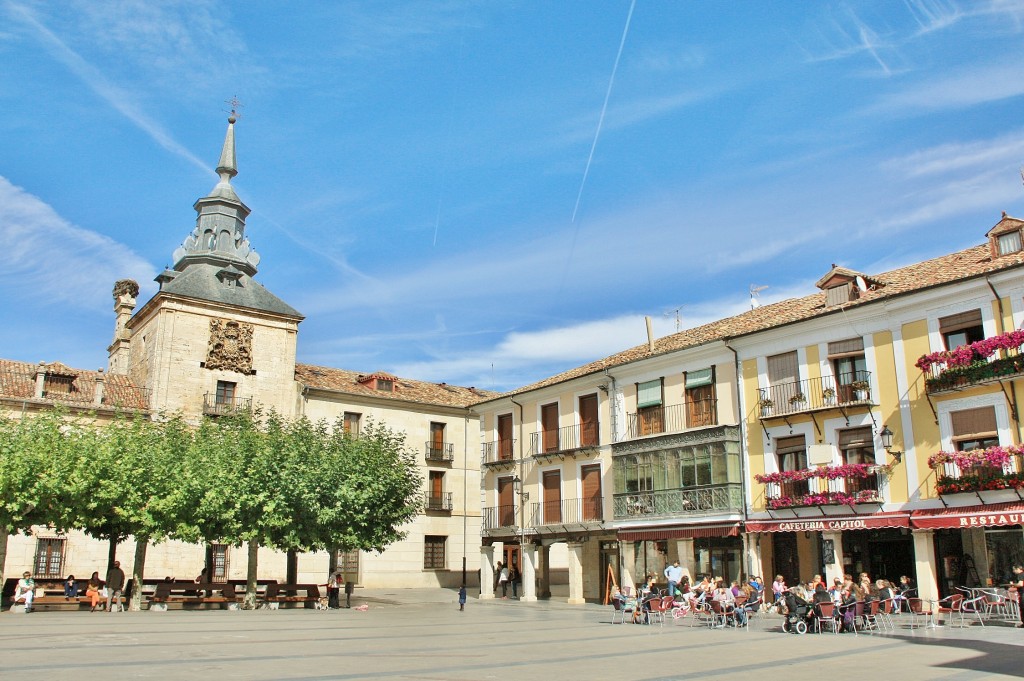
(844, 485)
(979, 470)
(827, 392)
(971, 364)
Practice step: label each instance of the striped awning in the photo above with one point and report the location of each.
(991, 515)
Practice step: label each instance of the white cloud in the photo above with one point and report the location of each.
(46, 259)
(945, 158)
(962, 89)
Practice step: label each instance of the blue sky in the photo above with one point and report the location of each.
(462, 192)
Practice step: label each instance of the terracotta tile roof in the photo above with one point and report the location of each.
(960, 266)
(75, 386)
(355, 383)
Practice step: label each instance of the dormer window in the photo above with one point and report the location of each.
(379, 381)
(842, 285)
(385, 385)
(1008, 243)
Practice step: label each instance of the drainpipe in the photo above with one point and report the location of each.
(1000, 329)
(613, 425)
(743, 453)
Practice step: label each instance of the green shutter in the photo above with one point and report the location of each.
(695, 379)
(648, 394)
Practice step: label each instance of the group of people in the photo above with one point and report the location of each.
(844, 593)
(96, 589)
(737, 599)
(505, 575)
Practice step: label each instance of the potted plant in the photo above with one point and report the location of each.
(766, 406)
(798, 401)
(828, 396)
(860, 390)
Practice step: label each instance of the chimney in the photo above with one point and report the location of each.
(650, 335)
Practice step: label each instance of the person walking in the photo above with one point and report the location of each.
(674, 575)
(462, 598)
(503, 581)
(514, 578)
(115, 585)
(1018, 581)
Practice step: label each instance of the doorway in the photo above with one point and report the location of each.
(786, 560)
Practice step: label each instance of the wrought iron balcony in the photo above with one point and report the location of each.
(673, 418)
(567, 511)
(440, 452)
(565, 439)
(861, 484)
(679, 502)
(497, 452)
(439, 502)
(214, 405)
(499, 517)
(814, 394)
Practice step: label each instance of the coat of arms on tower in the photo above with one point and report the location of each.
(230, 346)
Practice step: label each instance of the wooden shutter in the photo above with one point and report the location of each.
(505, 436)
(588, 421)
(549, 426)
(552, 497)
(783, 368)
(592, 497)
(437, 436)
(506, 505)
(843, 348)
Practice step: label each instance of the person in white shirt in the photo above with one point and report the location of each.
(25, 591)
(674, 575)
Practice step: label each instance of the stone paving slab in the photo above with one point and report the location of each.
(420, 634)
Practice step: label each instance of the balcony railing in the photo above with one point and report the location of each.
(440, 451)
(439, 502)
(985, 361)
(497, 451)
(498, 517)
(567, 511)
(673, 418)
(564, 439)
(222, 406)
(985, 470)
(675, 502)
(861, 484)
(815, 393)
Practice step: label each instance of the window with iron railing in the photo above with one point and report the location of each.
(49, 563)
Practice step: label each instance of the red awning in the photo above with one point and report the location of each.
(692, 532)
(992, 515)
(874, 521)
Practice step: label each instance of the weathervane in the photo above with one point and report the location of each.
(235, 105)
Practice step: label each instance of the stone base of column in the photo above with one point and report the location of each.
(575, 601)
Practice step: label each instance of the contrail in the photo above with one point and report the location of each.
(604, 108)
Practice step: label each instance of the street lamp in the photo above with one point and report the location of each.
(886, 436)
(517, 487)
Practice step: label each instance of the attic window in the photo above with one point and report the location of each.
(1008, 243)
(385, 385)
(844, 293)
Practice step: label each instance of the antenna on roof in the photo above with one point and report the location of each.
(679, 323)
(755, 292)
(1022, 173)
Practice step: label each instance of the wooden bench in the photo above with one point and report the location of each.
(52, 596)
(191, 594)
(295, 595)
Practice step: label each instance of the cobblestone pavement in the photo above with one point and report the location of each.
(420, 634)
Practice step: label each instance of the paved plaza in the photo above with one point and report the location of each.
(419, 634)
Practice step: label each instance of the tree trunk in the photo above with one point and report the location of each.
(111, 554)
(3, 551)
(249, 603)
(141, 545)
(332, 563)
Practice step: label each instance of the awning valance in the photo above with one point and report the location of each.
(866, 522)
(993, 515)
(676, 532)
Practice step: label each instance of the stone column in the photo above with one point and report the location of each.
(529, 584)
(576, 573)
(833, 563)
(544, 560)
(687, 559)
(627, 557)
(486, 572)
(752, 556)
(924, 561)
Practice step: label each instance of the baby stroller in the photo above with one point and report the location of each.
(798, 613)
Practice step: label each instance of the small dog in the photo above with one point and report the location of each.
(322, 603)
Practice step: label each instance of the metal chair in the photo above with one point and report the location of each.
(622, 608)
(825, 616)
(918, 613)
